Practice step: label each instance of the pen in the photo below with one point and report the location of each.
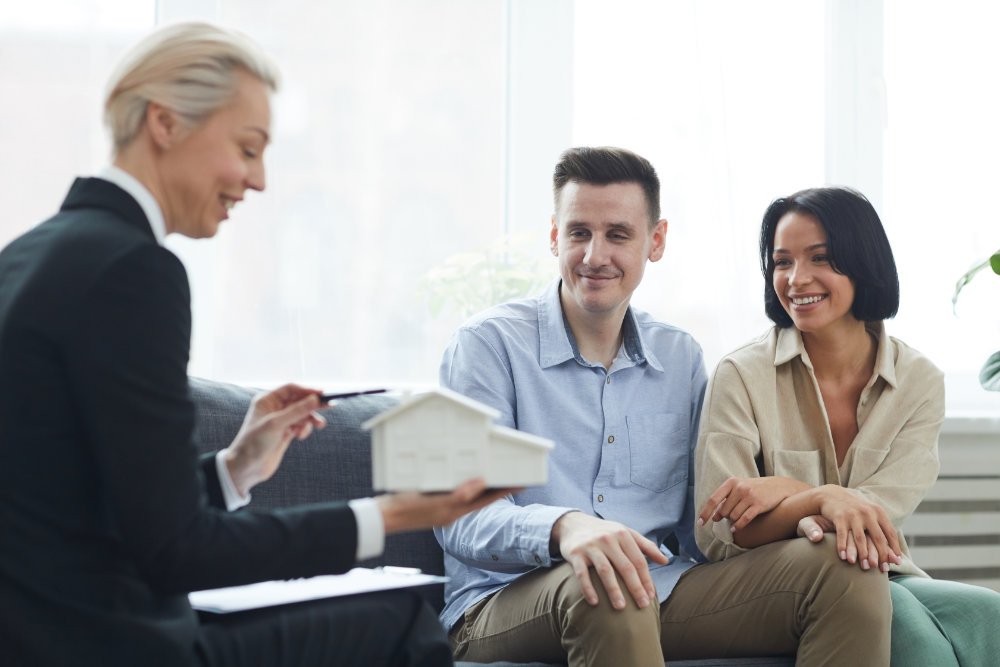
(326, 398)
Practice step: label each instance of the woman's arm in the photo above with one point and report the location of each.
(728, 475)
(894, 471)
(849, 515)
(760, 510)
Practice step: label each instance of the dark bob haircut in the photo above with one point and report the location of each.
(856, 245)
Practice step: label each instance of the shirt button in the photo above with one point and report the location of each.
(538, 559)
(495, 557)
(608, 381)
(600, 499)
(611, 439)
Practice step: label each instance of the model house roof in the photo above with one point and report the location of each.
(460, 401)
(521, 437)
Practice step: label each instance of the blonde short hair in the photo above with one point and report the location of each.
(190, 68)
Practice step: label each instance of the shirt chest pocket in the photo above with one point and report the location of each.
(658, 450)
(805, 466)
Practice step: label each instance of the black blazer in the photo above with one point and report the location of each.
(104, 519)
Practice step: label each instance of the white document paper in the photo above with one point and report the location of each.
(271, 593)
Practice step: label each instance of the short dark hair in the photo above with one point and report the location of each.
(856, 245)
(604, 165)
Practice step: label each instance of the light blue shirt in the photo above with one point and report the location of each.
(624, 439)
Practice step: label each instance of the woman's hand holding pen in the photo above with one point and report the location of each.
(274, 419)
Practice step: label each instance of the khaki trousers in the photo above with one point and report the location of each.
(789, 597)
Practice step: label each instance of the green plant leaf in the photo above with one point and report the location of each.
(989, 375)
(967, 278)
(995, 262)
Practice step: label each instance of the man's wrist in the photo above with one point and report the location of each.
(556, 535)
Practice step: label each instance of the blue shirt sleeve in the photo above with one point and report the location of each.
(503, 537)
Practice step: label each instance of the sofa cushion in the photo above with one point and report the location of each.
(334, 463)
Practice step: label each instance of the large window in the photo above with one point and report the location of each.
(727, 101)
(413, 146)
(941, 138)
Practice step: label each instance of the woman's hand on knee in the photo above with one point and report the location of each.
(854, 516)
(813, 527)
(872, 561)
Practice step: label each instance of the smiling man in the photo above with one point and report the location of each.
(600, 566)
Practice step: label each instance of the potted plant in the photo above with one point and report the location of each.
(469, 282)
(989, 374)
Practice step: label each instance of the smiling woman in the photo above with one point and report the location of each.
(204, 169)
(827, 424)
(810, 289)
(830, 241)
(194, 130)
(109, 517)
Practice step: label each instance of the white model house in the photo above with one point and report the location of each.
(436, 440)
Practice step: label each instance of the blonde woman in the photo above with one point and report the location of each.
(104, 506)
(827, 424)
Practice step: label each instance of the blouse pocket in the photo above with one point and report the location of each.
(804, 466)
(658, 450)
(866, 463)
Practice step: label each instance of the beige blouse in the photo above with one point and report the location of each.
(764, 415)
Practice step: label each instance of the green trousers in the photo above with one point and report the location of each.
(943, 623)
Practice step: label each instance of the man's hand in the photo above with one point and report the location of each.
(586, 541)
(852, 517)
(273, 420)
(743, 499)
(414, 511)
(814, 526)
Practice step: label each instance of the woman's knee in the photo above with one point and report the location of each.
(866, 591)
(917, 638)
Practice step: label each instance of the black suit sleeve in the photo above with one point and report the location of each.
(129, 376)
(213, 487)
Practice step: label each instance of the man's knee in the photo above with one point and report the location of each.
(548, 618)
(632, 621)
(626, 636)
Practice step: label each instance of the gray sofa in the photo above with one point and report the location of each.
(335, 464)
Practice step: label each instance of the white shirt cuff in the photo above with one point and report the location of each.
(230, 494)
(371, 528)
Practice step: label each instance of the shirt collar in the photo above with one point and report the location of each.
(147, 202)
(556, 337)
(789, 345)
